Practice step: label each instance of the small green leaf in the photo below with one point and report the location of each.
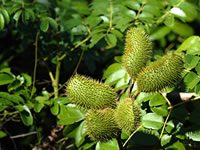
(169, 21)
(152, 121)
(117, 34)
(4, 101)
(5, 79)
(193, 135)
(176, 146)
(55, 109)
(69, 114)
(111, 69)
(27, 78)
(182, 29)
(170, 126)
(111, 145)
(44, 25)
(122, 83)
(191, 45)
(191, 61)
(161, 110)
(114, 77)
(2, 134)
(198, 69)
(53, 23)
(111, 39)
(165, 139)
(132, 4)
(38, 107)
(157, 100)
(160, 33)
(191, 80)
(143, 97)
(17, 15)
(26, 116)
(80, 134)
(189, 9)
(95, 39)
(13, 98)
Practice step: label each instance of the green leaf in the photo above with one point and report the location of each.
(182, 29)
(191, 80)
(4, 101)
(111, 69)
(178, 13)
(26, 116)
(55, 109)
(189, 9)
(122, 83)
(13, 98)
(191, 45)
(132, 4)
(2, 134)
(27, 78)
(5, 79)
(165, 139)
(17, 15)
(114, 77)
(161, 110)
(193, 135)
(44, 25)
(143, 97)
(69, 114)
(80, 134)
(191, 61)
(117, 34)
(111, 145)
(62, 100)
(198, 69)
(38, 107)
(170, 126)
(111, 39)
(176, 146)
(146, 16)
(53, 23)
(95, 39)
(169, 20)
(157, 100)
(159, 33)
(152, 121)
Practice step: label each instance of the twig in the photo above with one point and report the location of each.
(23, 135)
(131, 136)
(79, 62)
(35, 66)
(165, 123)
(139, 11)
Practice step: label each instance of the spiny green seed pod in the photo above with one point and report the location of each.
(161, 74)
(101, 125)
(128, 115)
(137, 52)
(88, 93)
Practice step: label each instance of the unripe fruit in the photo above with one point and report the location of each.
(128, 115)
(137, 52)
(88, 93)
(161, 74)
(101, 125)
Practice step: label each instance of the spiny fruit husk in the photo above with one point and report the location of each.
(137, 52)
(128, 115)
(88, 93)
(160, 74)
(101, 125)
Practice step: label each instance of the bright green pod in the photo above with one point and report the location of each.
(88, 93)
(100, 125)
(160, 74)
(137, 52)
(128, 115)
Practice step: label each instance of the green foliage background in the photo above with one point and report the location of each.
(44, 42)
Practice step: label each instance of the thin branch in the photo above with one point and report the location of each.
(139, 11)
(165, 123)
(23, 135)
(131, 136)
(79, 62)
(35, 66)
(167, 118)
